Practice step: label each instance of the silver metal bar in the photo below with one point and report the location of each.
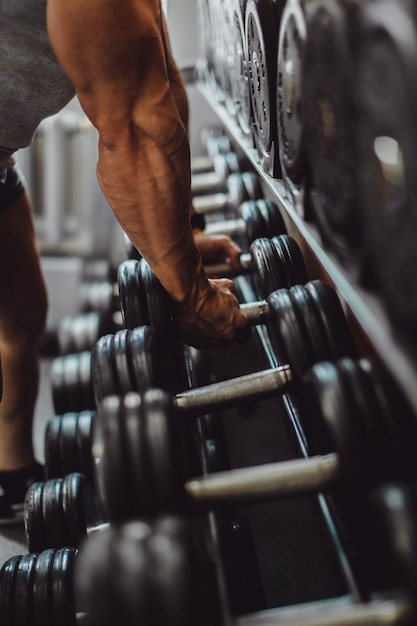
(205, 182)
(225, 394)
(210, 202)
(389, 612)
(224, 269)
(257, 312)
(283, 478)
(98, 528)
(201, 163)
(226, 227)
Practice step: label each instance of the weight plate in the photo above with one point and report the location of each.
(84, 444)
(332, 119)
(80, 508)
(33, 517)
(290, 106)
(131, 294)
(52, 444)
(239, 82)
(53, 516)
(292, 258)
(394, 515)
(86, 383)
(172, 573)
(332, 425)
(139, 485)
(109, 460)
(7, 585)
(105, 382)
(387, 157)
(130, 594)
(62, 587)
(261, 29)
(41, 593)
(286, 332)
(67, 441)
(163, 453)
(332, 318)
(122, 361)
(98, 297)
(267, 270)
(151, 363)
(157, 300)
(23, 590)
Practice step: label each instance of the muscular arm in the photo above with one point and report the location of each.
(115, 55)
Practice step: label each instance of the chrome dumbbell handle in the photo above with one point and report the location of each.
(385, 612)
(248, 484)
(223, 395)
(224, 269)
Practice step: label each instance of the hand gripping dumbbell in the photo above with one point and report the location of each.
(154, 575)
(38, 589)
(274, 264)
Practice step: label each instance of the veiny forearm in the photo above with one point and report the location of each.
(145, 177)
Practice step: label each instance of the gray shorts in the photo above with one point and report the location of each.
(12, 186)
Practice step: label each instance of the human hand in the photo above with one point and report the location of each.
(218, 249)
(213, 317)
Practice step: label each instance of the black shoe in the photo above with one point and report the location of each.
(13, 488)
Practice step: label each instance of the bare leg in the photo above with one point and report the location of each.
(23, 309)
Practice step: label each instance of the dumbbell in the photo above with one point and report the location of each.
(38, 589)
(261, 31)
(160, 580)
(67, 445)
(239, 188)
(274, 264)
(214, 181)
(354, 442)
(214, 142)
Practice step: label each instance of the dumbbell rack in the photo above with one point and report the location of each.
(368, 318)
(369, 322)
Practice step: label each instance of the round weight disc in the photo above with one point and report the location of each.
(290, 97)
(104, 374)
(131, 294)
(158, 303)
(23, 590)
(52, 447)
(239, 81)
(33, 517)
(139, 485)
(292, 259)
(67, 440)
(172, 573)
(332, 121)
(332, 318)
(7, 584)
(387, 160)
(163, 453)
(121, 361)
(148, 359)
(86, 383)
(109, 460)
(329, 414)
(53, 516)
(62, 586)
(261, 30)
(268, 273)
(84, 443)
(42, 611)
(80, 507)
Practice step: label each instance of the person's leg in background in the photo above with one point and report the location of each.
(23, 311)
